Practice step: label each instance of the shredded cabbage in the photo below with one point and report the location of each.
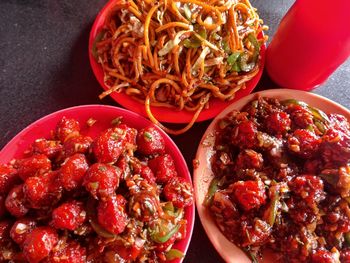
(172, 43)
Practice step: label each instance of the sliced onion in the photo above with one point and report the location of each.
(199, 60)
(214, 61)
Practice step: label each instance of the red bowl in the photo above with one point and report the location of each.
(103, 115)
(163, 114)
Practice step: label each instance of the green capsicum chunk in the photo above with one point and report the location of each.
(214, 186)
(163, 235)
(226, 47)
(316, 113)
(235, 67)
(244, 58)
(174, 254)
(255, 43)
(243, 62)
(101, 231)
(91, 213)
(231, 59)
(172, 211)
(194, 42)
(295, 102)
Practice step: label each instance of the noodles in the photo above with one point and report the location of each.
(180, 53)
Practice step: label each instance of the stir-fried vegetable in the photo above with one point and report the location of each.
(317, 113)
(100, 230)
(171, 211)
(271, 212)
(172, 43)
(232, 60)
(251, 255)
(212, 189)
(174, 254)
(247, 63)
(163, 232)
(194, 41)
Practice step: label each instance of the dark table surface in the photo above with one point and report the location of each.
(44, 67)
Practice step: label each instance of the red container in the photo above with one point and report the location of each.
(312, 40)
(103, 115)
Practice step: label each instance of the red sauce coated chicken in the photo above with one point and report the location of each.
(73, 199)
(282, 181)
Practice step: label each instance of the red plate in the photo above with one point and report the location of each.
(103, 115)
(203, 174)
(163, 114)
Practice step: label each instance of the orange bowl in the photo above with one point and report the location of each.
(203, 175)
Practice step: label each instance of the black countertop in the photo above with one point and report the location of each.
(44, 67)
